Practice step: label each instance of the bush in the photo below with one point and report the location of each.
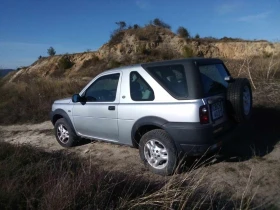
(149, 33)
(136, 26)
(51, 51)
(116, 37)
(197, 36)
(121, 25)
(267, 54)
(183, 32)
(187, 52)
(90, 62)
(65, 62)
(160, 23)
(113, 64)
(36, 96)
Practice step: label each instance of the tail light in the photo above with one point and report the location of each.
(204, 114)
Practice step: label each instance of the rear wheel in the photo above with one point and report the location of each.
(158, 152)
(239, 97)
(65, 136)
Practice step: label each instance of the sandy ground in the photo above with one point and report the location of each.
(110, 156)
(250, 164)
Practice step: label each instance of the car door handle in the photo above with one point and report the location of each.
(111, 108)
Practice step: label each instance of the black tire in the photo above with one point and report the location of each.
(235, 100)
(160, 136)
(72, 140)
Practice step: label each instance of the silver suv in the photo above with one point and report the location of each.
(166, 109)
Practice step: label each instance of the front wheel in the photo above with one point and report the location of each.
(64, 134)
(158, 152)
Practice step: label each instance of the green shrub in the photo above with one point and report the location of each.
(183, 32)
(65, 62)
(187, 52)
(114, 64)
(90, 62)
(267, 54)
(160, 23)
(197, 36)
(142, 50)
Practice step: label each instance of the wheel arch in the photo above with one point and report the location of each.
(144, 125)
(60, 113)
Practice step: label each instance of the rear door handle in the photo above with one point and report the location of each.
(111, 108)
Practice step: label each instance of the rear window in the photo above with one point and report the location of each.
(213, 79)
(172, 78)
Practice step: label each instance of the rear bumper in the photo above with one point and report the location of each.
(195, 139)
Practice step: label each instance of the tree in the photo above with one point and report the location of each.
(51, 51)
(135, 26)
(121, 25)
(197, 36)
(183, 32)
(160, 23)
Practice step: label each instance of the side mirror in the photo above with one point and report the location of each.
(76, 98)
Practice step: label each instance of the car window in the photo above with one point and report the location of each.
(139, 88)
(213, 78)
(104, 89)
(172, 78)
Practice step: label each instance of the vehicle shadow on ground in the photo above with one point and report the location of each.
(256, 138)
(84, 141)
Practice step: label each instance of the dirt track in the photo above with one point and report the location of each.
(253, 158)
(110, 156)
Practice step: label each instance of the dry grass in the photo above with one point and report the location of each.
(258, 68)
(31, 100)
(264, 74)
(34, 179)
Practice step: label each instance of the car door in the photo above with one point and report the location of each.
(97, 116)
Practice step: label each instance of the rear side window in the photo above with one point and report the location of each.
(139, 88)
(172, 78)
(213, 79)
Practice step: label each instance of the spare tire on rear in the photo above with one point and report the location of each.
(239, 98)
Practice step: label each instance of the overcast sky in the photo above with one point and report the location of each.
(29, 27)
